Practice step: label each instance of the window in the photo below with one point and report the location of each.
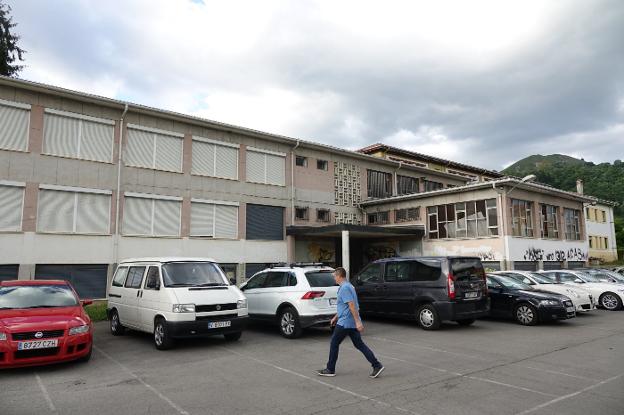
(301, 161)
(378, 218)
(73, 210)
(135, 276)
(11, 206)
(399, 272)
(322, 164)
(257, 281)
(474, 219)
(214, 158)
(426, 270)
(14, 123)
(430, 186)
(379, 184)
(407, 215)
(407, 185)
(370, 274)
(154, 149)
(89, 280)
(265, 222)
(120, 277)
(521, 218)
(78, 136)
(214, 219)
(266, 167)
(276, 279)
(550, 221)
(152, 280)
(9, 272)
(603, 216)
(301, 213)
(572, 224)
(322, 215)
(150, 215)
(229, 270)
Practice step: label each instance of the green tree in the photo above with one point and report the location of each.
(10, 52)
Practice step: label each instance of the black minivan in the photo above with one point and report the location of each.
(429, 289)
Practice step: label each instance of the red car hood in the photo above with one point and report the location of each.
(36, 319)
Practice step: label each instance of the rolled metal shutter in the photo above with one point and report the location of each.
(203, 158)
(96, 142)
(88, 280)
(575, 264)
(11, 201)
(550, 265)
(525, 265)
(226, 162)
(226, 221)
(140, 149)
(202, 219)
(14, 128)
(93, 213)
(167, 218)
(276, 169)
(61, 135)
(168, 153)
(255, 167)
(9, 272)
(137, 216)
(55, 211)
(265, 222)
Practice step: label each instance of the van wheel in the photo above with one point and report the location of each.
(610, 301)
(116, 328)
(162, 339)
(466, 321)
(289, 323)
(428, 317)
(526, 314)
(232, 337)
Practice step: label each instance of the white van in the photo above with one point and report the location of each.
(175, 298)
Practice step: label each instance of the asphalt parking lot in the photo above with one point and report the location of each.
(492, 367)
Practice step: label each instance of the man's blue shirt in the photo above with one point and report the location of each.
(346, 294)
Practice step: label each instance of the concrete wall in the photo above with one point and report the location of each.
(606, 230)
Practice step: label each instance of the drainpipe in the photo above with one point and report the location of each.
(502, 192)
(118, 195)
(292, 183)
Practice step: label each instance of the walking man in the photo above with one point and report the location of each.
(348, 323)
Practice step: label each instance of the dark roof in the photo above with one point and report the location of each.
(419, 156)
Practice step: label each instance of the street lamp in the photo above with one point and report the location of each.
(525, 179)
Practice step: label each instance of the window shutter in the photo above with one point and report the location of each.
(255, 167)
(140, 149)
(137, 216)
(93, 213)
(11, 198)
(227, 162)
(55, 211)
(265, 222)
(276, 170)
(168, 153)
(97, 141)
(14, 128)
(203, 158)
(166, 218)
(226, 221)
(202, 219)
(61, 135)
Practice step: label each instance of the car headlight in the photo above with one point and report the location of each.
(241, 304)
(183, 308)
(549, 302)
(3, 336)
(79, 330)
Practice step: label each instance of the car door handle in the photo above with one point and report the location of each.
(114, 295)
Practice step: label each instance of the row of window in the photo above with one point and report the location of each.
(598, 242)
(303, 213)
(522, 223)
(88, 211)
(379, 184)
(302, 161)
(596, 215)
(400, 215)
(474, 219)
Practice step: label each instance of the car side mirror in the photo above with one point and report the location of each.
(86, 302)
(578, 280)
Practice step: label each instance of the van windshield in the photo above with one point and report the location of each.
(192, 274)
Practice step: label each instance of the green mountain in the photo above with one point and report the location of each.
(604, 180)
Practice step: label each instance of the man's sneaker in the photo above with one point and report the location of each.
(325, 372)
(376, 371)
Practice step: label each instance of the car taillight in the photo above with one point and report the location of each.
(485, 287)
(450, 284)
(312, 294)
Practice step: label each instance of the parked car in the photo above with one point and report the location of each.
(511, 298)
(609, 295)
(175, 298)
(604, 275)
(42, 322)
(582, 299)
(429, 289)
(619, 270)
(293, 297)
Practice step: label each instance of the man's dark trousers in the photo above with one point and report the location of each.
(339, 335)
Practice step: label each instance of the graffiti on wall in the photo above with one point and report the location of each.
(375, 252)
(539, 254)
(321, 253)
(486, 255)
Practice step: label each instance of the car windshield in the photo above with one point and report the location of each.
(36, 296)
(192, 274)
(615, 275)
(588, 277)
(320, 278)
(541, 279)
(511, 283)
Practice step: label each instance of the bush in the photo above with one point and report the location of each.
(97, 310)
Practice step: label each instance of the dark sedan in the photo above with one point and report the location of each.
(510, 298)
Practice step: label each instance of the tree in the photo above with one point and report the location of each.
(10, 52)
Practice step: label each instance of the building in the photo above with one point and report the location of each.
(601, 231)
(86, 181)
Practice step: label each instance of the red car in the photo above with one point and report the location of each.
(42, 322)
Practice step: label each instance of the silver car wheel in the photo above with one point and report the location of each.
(159, 334)
(609, 302)
(115, 322)
(288, 323)
(524, 314)
(426, 317)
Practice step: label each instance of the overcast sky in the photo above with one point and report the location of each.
(481, 82)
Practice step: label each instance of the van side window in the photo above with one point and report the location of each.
(371, 273)
(152, 278)
(257, 281)
(399, 271)
(427, 270)
(120, 277)
(135, 276)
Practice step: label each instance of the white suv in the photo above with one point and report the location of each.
(293, 296)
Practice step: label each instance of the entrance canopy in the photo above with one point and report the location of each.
(356, 231)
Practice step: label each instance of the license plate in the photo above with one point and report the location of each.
(333, 301)
(570, 309)
(219, 324)
(472, 294)
(37, 344)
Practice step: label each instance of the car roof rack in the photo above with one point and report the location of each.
(298, 264)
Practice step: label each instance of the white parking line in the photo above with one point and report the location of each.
(427, 348)
(148, 386)
(46, 395)
(320, 382)
(571, 395)
(555, 372)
